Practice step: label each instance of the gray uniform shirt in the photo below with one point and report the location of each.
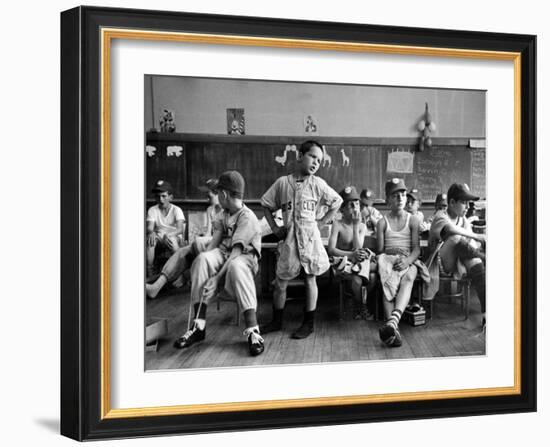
(299, 202)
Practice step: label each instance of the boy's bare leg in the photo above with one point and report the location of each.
(150, 256)
(312, 292)
(389, 333)
(174, 267)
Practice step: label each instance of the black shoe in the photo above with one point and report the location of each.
(306, 329)
(387, 334)
(398, 341)
(193, 335)
(255, 343)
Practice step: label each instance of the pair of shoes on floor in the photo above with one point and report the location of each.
(191, 337)
(390, 336)
(364, 314)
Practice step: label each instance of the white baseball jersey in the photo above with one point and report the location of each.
(299, 202)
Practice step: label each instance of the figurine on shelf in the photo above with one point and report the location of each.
(167, 123)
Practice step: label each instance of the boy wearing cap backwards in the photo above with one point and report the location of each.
(181, 260)
(451, 243)
(346, 245)
(369, 213)
(399, 248)
(165, 223)
(299, 196)
(413, 205)
(233, 252)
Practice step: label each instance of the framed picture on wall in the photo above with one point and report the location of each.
(153, 134)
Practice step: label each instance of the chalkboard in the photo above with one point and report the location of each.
(436, 168)
(262, 162)
(479, 172)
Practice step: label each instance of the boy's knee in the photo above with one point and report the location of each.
(236, 267)
(280, 285)
(411, 274)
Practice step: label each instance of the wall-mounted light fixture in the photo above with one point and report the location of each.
(426, 126)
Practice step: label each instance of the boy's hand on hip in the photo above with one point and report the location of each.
(151, 239)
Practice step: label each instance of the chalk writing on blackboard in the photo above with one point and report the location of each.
(478, 172)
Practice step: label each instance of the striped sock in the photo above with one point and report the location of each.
(394, 318)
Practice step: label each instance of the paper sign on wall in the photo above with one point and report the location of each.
(400, 161)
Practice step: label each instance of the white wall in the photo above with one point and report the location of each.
(29, 289)
(279, 108)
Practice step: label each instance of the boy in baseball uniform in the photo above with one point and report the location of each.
(233, 253)
(455, 249)
(165, 223)
(299, 196)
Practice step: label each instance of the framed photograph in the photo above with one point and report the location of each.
(191, 299)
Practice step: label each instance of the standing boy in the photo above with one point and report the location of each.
(452, 245)
(299, 196)
(165, 223)
(233, 252)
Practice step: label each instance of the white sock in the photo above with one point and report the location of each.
(200, 323)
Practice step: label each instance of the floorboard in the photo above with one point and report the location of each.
(448, 334)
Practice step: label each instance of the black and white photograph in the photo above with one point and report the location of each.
(297, 223)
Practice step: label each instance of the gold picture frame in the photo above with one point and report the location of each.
(87, 412)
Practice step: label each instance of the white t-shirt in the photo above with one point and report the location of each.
(165, 224)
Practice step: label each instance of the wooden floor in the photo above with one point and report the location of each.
(447, 334)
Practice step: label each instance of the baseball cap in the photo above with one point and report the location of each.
(231, 181)
(460, 191)
(414, 193)
(209, 185)
(395, 184)
(441, 199)
(349, 193)
(367, 194)
(162, 186)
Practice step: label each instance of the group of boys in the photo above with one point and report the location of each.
(230, 254)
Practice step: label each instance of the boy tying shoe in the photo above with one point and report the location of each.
(452, 247)
(165, 224)
(299, 196)
(233, 252)
(345, 246)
